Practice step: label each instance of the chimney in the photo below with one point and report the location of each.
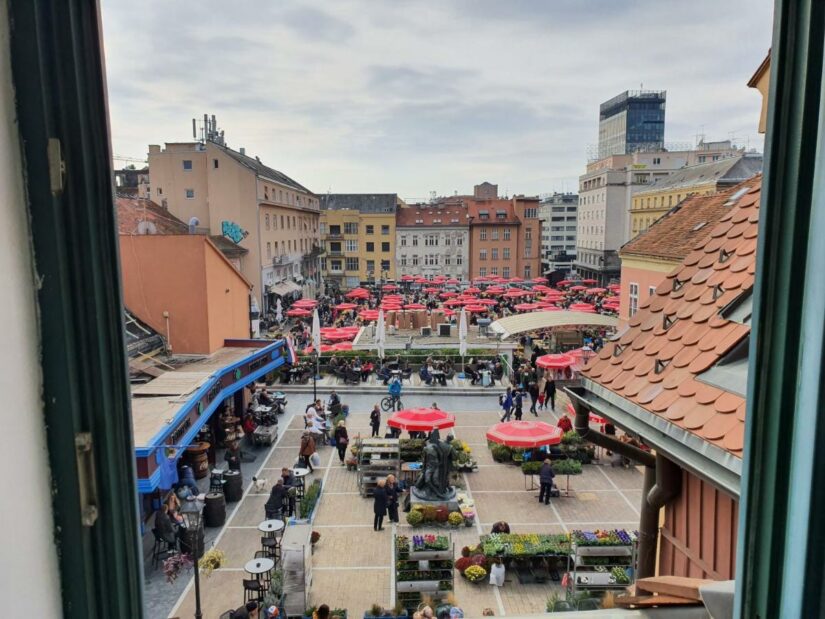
(242, 150)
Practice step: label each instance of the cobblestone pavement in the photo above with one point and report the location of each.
(352, 564)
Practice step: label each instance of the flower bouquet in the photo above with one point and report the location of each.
(475, 573)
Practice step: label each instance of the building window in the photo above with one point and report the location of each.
(494, 254)
(501, 214)
(651, 290)
(530, 213)
(371, 247)
(385, 230)
(403, 261)
(350, 227)
(403, 241)
(352, 264)
(385, 266)
(335, 266)
(505, 253)
(528, 234)
(459, 260)
(657, 160)
(160, 191)
(482, 272)
(415, 260)
(187, 164)
(266, 221)
(190, 194)
(482, 255)
(447, 241)
(385, 246)
(370, 229)
(482, 234)
(494, 235)
(447, 261)
(459, 241)
(371, 266)
(415, 241)
(634, 298)
(323, 264)
(528, 272)
(506, 234)
(505, 272)
(494, 271)
(528, 251)
(351, 245)
(215, 163)
(269, 251)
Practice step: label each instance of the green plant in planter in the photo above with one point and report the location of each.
(531, 468)
(456, 519)
(376, 611)
(415, 518)
(501, 453)
(567, 467)
(518, 454)
(571, 438)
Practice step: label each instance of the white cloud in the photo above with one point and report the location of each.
(367, 96)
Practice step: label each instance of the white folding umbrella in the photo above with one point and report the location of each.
(316, 331)
(279, 311)
(380, 334)
(462, 337)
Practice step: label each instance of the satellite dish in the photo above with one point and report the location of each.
(147, 227)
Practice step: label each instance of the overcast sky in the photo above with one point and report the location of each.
(410, 97)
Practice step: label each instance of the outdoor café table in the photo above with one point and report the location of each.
(300, 474)
(271, 527)
(260, 568)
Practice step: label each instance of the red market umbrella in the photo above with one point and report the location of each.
(448, 295)
(415, 306)
(550, 308)
(589, 281)
(596, 290)
(453, 303)
(592, 416)
(407, 278)
(564, 282)
(578, 288)
(516, 279)
(539, 280)
(485, 302)
(298, 312)
(526, 307)
(369, 315)
(358, 292)
(430, 290)
(345, 307)
(448, 312)
(341, 346)
(555, 361)
(452, 281)
(389, 287)
(476, 309)
(495, 290)
(305, 303)
(582, 307)
(472, 290)
(524, 434)
(421, 420)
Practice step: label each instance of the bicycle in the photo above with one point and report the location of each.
(390, 403)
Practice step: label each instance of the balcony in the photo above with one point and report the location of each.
(335, 253)
(334, 235)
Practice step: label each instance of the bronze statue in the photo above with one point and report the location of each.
(434, 482)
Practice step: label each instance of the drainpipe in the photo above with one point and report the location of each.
(662, 482)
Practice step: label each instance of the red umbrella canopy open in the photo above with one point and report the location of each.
(555, 362)
(421, 419)
(298, 313)
(475, 309)
(524, 434)
(582, 307)
(414, 306)
(527, 307)
(589, 281)
(472, 290)
(343, 307)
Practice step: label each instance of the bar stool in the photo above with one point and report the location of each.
(216, 481)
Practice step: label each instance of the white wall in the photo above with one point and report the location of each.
(29, 581)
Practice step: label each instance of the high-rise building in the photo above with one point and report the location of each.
(557, 214)
(632, 121)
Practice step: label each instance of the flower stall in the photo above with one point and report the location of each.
(601, 560)
(423, 565)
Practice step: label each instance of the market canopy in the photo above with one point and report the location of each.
(536, 321)
(524, 434)
(555, 361)
(421, 420)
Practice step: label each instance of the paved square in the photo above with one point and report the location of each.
(353, 565)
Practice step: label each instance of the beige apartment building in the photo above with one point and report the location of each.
(225, 193)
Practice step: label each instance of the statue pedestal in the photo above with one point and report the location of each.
(449, 502)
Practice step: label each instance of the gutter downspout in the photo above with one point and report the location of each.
(662, 483)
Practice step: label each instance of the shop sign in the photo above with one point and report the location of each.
(175, 437)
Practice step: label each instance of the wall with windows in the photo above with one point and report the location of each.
(432, 250)
(29, 579)
(644, 274)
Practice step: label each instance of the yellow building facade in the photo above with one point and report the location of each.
(358, 232)
(649, 206)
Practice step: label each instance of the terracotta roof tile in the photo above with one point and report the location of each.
(132, 211)
(679, 333)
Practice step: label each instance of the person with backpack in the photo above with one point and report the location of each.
(518, 403)
(506, 401)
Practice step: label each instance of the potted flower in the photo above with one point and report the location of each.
(475, 573)
(211, 560)
(174, 564)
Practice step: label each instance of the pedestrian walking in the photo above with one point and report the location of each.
(550, 394)
(341, 440)
(379, 505)
(307, 449)
(506, 401)
(375, 420)
(546, 476)
(518, 403)
(533, 390)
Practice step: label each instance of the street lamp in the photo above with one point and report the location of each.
(191, 513)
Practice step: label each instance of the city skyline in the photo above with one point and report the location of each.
(364, 98)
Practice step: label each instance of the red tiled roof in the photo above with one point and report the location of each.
(678, 333)
(132, 211)
(427, 215)
(475, 207)
(674, 235)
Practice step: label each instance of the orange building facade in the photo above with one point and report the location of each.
(186, 289)
(505, 237)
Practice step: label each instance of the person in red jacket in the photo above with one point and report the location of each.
(565, 424)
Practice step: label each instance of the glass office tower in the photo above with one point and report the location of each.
(632, 121)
